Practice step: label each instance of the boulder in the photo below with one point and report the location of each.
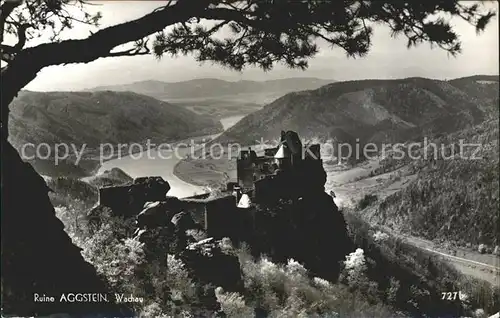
(152, 215)
(183, 221)
(129, 200)
(153, 188)
(496, 250)
(159, 213)
(157, 231)
(148, 189)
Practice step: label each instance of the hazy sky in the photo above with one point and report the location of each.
(389, 58)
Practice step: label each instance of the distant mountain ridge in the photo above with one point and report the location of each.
(374, 110)
(211, 87)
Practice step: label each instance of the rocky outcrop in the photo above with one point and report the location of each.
(38, 257)
(322, 237)
(164, 227)
(310, 230)
(129, 200)
(210, 265)
(294, 218)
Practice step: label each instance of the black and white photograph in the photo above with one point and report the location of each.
(249, 158)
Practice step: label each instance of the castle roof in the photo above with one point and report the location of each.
(280, 154)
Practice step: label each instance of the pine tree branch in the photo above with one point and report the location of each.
(132, 52)
(21, 35)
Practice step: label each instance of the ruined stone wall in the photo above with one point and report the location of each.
(214, 215)
(221, 217)
(129, 200)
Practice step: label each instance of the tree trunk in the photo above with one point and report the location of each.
(38, 257)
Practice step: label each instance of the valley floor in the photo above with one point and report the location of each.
(482, 266)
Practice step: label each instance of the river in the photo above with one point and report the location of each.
(161, 163)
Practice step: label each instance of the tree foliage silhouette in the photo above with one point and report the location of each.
(229, 32)
(35, 249)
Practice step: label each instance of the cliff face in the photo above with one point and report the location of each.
(215, 88)
(38, 257)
